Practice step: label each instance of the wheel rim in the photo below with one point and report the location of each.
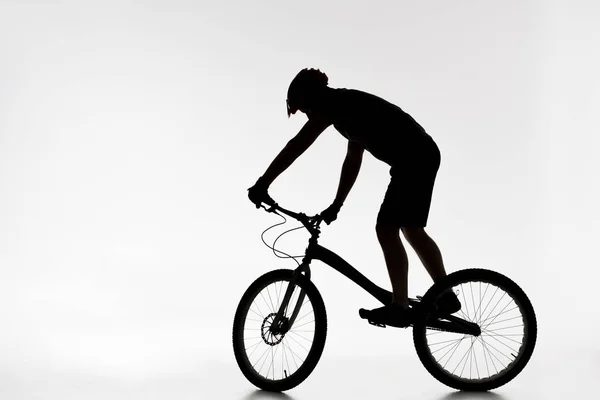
(504, 335)
(277, 356)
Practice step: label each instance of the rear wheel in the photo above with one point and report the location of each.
(273, 360)
(508, 332)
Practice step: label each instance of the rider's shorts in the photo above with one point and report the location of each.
(408, 197)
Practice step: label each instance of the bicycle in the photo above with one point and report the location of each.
(287, 322)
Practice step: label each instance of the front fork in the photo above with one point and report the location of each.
(280, 325)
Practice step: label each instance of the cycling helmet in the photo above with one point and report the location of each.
(303, 85)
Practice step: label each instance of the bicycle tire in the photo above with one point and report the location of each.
(317, 347)
(520, 298)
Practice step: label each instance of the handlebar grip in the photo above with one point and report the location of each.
(363, 313)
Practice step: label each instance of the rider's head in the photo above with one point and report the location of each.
(304, 89)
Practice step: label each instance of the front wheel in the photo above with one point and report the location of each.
(272, 359)
(496, 352)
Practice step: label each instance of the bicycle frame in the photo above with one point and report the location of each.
(314, 251)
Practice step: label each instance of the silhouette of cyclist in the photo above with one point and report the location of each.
(391, 135)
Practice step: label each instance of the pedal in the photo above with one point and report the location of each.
(414, 301)
(364, 314)
(376, 323)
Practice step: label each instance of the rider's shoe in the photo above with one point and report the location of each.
(392, 314)
(448, 303)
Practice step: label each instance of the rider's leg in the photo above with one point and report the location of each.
(396, 261)
(427, 250)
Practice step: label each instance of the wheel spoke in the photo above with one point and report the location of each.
(306, 323)
(287, 360)
(261, 357)
(465, 302)
(254, 345)
(298, 319)
(479, 301)
(504, 320)
(485, 358)
(500, 329)
(471, 361)
(505, 337)
(463, 357)
(257, 347)
(453, 351)
(270, 365)
(476, 365)
(273, 354)
(492, 310)
(445, 341)
(489, 302)
(473, 300)
(490, 354)
(294, 354)
(499, 314)
(454, 343)
(299, 344)
(465, 316)
(266, 302)
(480, 298)
(498, 351)
(303, 337)
(499, 341)
(260, 316)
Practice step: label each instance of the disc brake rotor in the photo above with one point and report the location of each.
(273, 337)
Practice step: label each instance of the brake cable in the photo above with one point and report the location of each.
(275, 251)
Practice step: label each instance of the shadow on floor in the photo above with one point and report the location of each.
(472, 396)
(264, 395)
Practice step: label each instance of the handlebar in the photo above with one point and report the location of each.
(312, 224)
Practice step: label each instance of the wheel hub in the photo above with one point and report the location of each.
(270, 334)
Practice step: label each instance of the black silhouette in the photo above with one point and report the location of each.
(481, 317)
(394, 137)
(280, 324)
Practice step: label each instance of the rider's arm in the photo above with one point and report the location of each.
(294, 148)
(350, 170)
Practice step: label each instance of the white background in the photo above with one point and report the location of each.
(130, 131)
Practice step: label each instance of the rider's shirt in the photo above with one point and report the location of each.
(382, 128)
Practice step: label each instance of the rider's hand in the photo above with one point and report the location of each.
(259, 193)
(330, 213)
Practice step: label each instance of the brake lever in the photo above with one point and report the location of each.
(316, 220)
(270, 209)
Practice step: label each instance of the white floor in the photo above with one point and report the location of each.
(553, 373)
(557, 376)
